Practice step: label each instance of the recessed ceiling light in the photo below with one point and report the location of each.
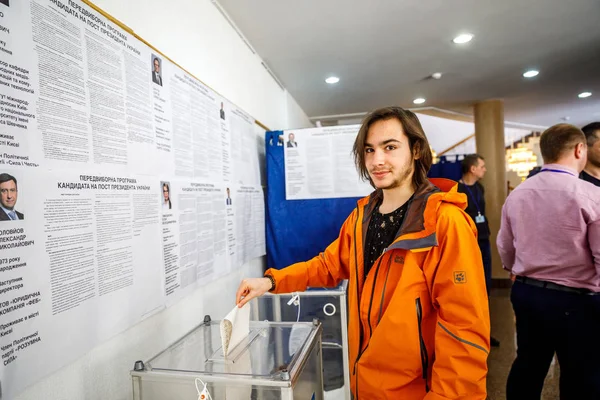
(531, 73)
(332, 79)
(464, 38)
(436, 75)
(419, 100)
(584, 95)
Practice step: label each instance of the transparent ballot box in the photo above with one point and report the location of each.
(329, 307)
(276, 361)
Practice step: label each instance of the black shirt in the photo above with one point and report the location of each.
(476, 204)
(589, 178)
(381, 233)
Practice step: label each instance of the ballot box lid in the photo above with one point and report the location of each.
(272, 351)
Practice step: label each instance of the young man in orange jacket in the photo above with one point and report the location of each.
(418, 310)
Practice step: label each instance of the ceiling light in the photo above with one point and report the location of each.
(332, 79)
(420, 100)
(584, 95)
(464, 38)
(436, 75)
(531, 73)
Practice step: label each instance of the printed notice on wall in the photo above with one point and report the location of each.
(116, 174)
(194, 241)
(319, 164)
(244, 148)
(250, 223)
(81, 248)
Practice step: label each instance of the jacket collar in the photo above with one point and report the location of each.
(416, 230)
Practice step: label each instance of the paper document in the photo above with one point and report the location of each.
(235, 327)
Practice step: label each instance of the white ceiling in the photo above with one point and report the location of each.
(383, 50)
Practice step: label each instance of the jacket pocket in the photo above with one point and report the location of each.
(424, 354)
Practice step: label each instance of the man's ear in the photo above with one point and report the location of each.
(580, 150)
(417, 151)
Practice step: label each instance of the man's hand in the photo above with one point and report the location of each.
(251, 288)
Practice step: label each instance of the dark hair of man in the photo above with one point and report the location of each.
(558, 139)
(592, 132)
(4, 177)
(419, 145)
(472, 160)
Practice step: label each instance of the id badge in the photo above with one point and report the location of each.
(479, 219)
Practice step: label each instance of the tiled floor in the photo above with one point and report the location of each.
(500, 359)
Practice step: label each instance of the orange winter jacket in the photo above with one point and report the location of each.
(419, 323)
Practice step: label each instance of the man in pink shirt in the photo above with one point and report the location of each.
(550, 240)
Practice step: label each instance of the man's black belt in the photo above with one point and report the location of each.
(554, 286)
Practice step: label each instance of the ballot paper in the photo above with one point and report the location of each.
(235, 327)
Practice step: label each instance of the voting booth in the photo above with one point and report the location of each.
(277, 361)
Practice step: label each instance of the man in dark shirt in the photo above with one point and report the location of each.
(534, 171)
(473, 169)
(591, 172)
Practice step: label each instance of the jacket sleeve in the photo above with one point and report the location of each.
(454, 271)
(325, 270)
(505, 240)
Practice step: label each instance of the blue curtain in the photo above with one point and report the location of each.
(297, 230)
(447, 167)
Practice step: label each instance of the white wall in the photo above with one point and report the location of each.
(296, 116)
(194, 34)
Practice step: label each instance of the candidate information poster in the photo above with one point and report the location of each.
(80, 263)
(319, 164)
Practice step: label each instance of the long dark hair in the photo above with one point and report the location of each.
(419, 145)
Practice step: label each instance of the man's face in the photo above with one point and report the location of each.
(8, 194)
(479, 169)
(388, 157)
(166, 193)
(292, 137)
(156, 66)
(593, 156)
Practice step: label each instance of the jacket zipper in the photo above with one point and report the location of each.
(424, 355)
(384, 288)
(372, 296)
(369, 321)
(357, 298)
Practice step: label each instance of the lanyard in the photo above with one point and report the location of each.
(557, 170)
(473, 197)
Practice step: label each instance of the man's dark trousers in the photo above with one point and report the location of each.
(486, 257)
(550, 321)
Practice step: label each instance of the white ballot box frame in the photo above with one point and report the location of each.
(274, 307)
(265, 365)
